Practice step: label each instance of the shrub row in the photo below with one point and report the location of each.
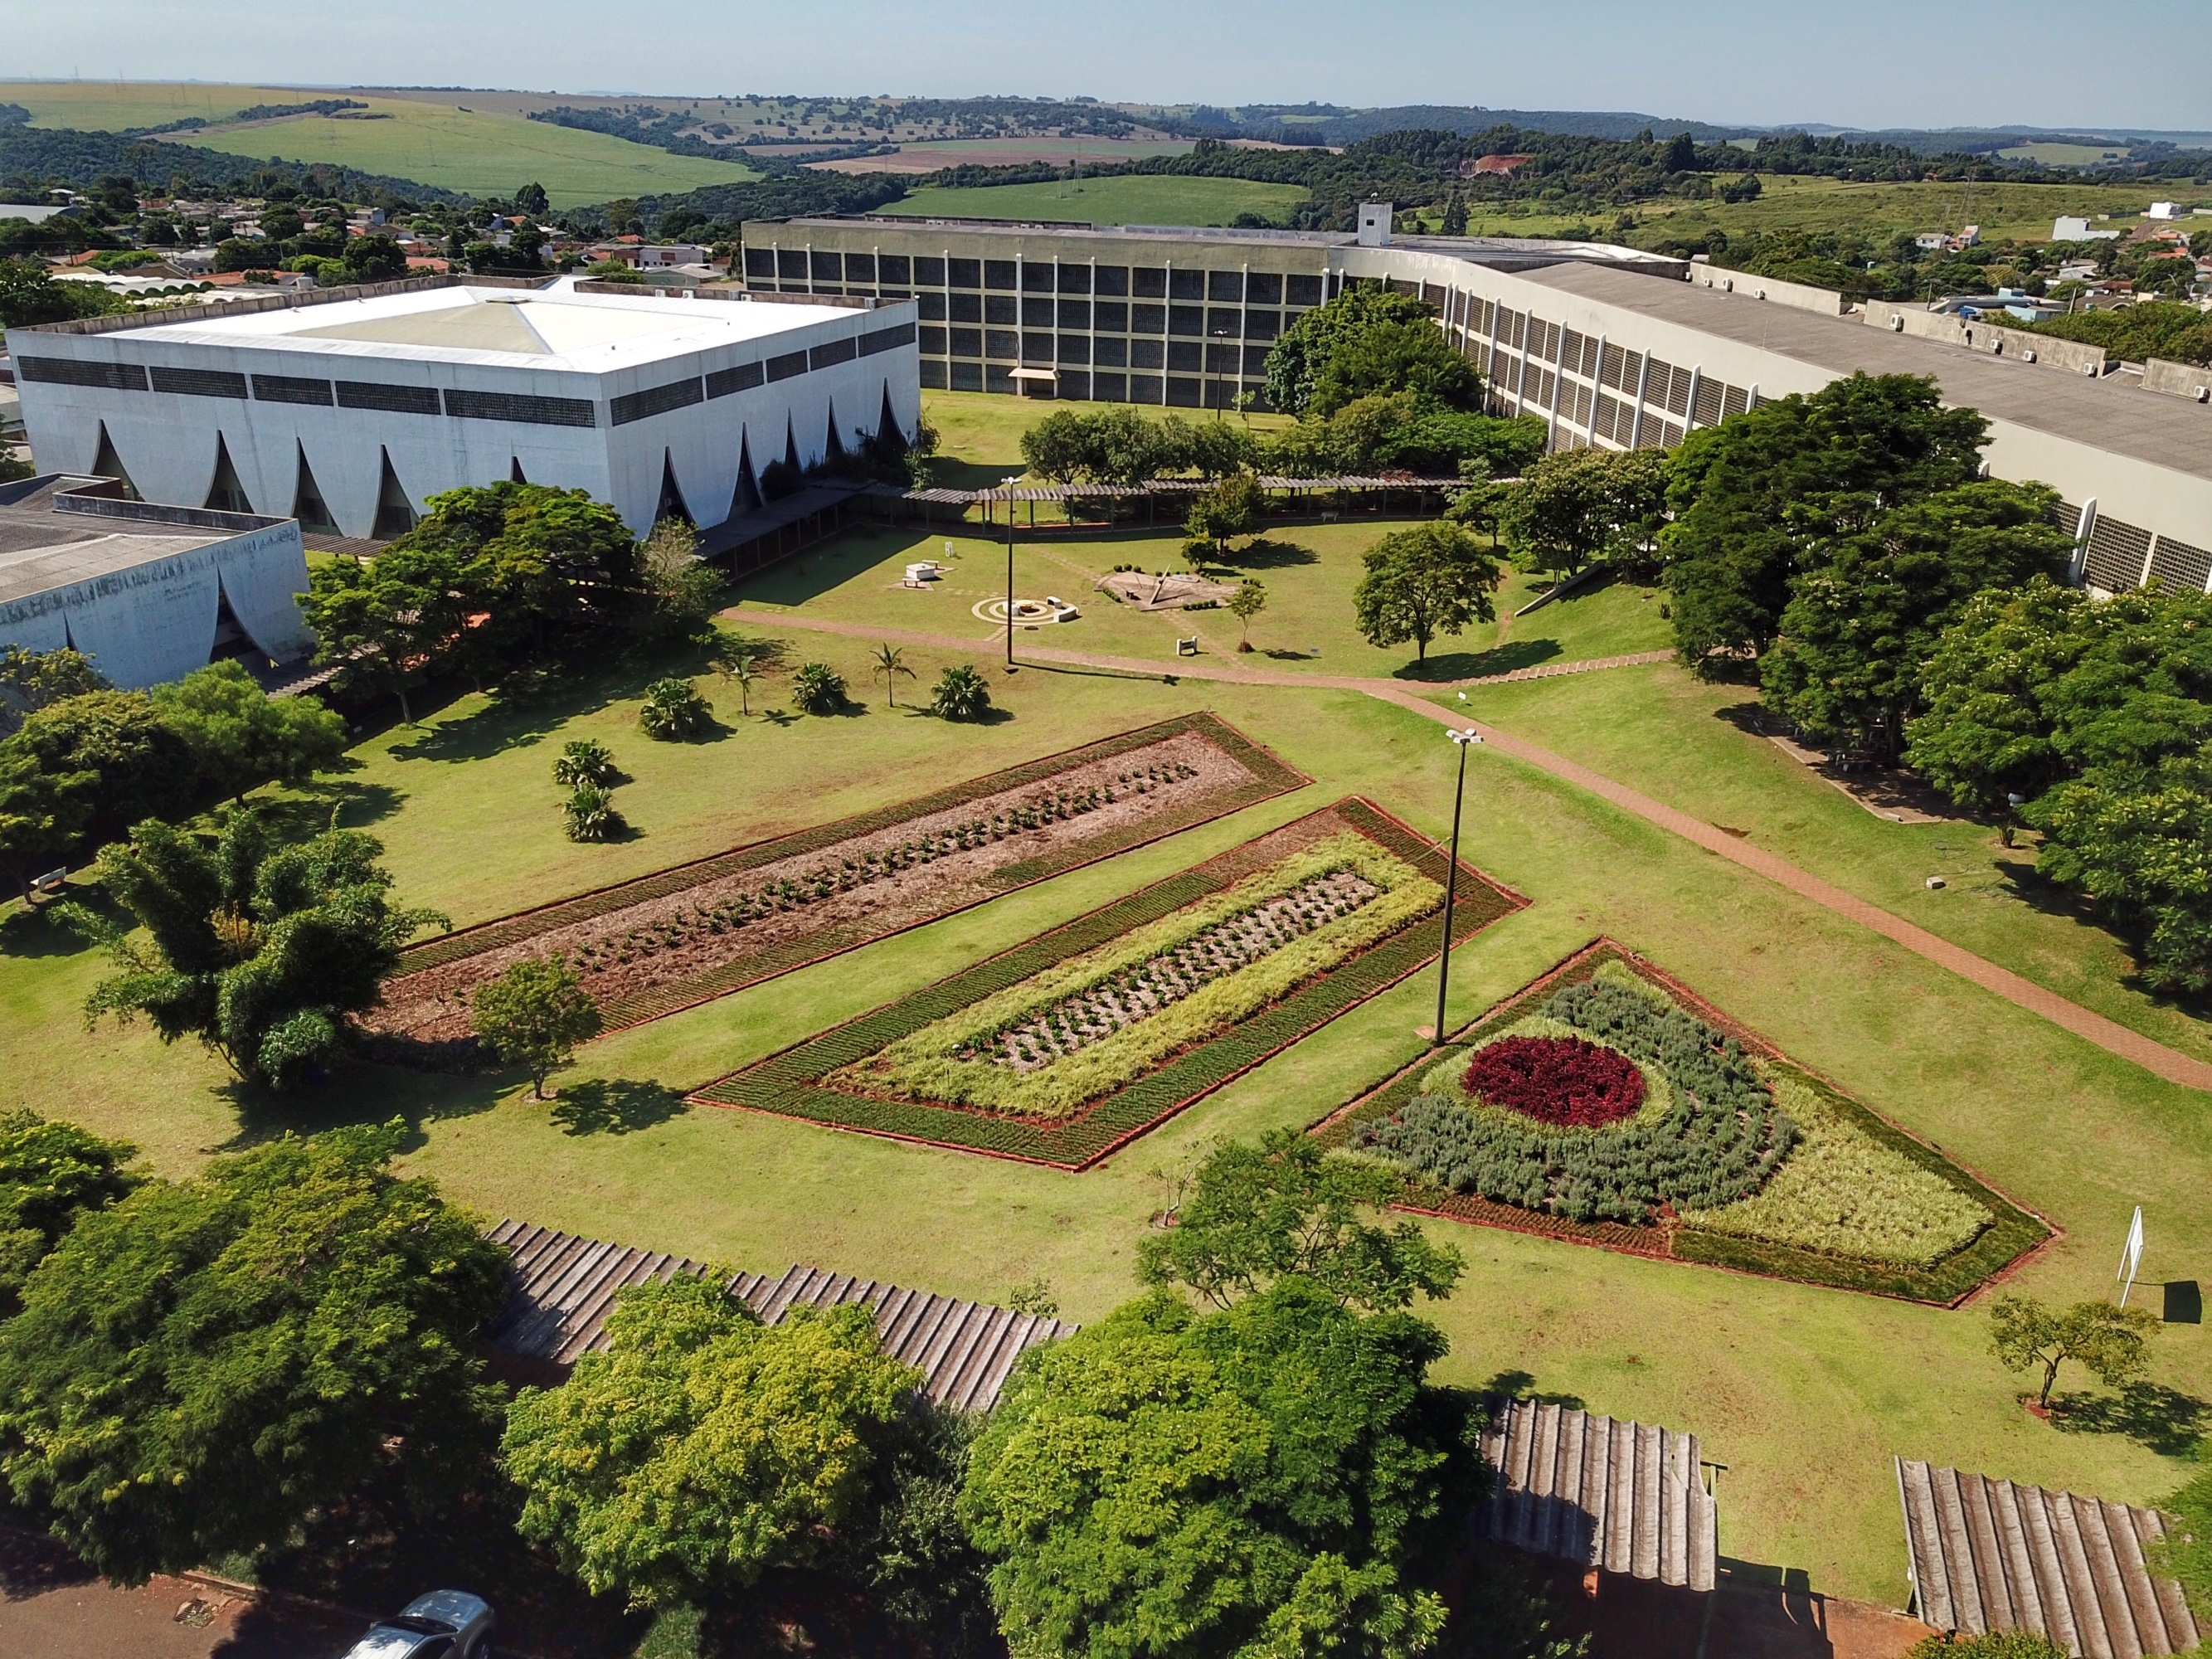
(791, 1083)
(1272, 777)
(925, 1066)
(1721, 1142)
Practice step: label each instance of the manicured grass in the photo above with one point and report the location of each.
(482, 151)
(1805, 1394)
(1142, 199)
(1310, 571)
(1781, 1381)
(1689, 745)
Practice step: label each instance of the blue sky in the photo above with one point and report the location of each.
(1879, 62)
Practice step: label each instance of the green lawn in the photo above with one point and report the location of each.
(1804, 1394)
(1310, 571)
(481, 151)
(1688, 744)
(1144, 199)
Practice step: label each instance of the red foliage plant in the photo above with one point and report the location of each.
(1564, 1081)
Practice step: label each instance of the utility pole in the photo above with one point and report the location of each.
(1465, 741)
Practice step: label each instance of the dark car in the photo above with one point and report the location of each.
(443, 1625)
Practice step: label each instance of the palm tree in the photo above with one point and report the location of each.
(737, 669)
(890, 662)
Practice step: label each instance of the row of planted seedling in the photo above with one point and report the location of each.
(684, 924)
(1145, 989)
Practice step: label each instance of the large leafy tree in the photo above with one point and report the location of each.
(391, 621)
(41, 814)
(198, 1368)
(2108, 1342)
(1433, 579)
(534, 1015)
(50, 1173)
(140, 765)
(1252, 1482)
(1257, 1213)
(1576, 505)
(261, 952)
(2098, 714)
(1860, 628)
(29, 680)
(1376, 331)
(1761, 497)
(703, 1448)
(238, 736)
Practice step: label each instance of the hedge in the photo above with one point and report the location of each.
(2013, 1232)
(791, 1083)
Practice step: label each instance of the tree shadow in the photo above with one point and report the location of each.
(1477, 665)
(38, 931)
(307, 813)
(614, 1106)
(1266, 554)
(993, 715)
(1520, 1385)
(2163, 1419)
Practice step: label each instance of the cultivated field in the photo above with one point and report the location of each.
(461, 147)
(929, 155)
(1140, 200)
(1804, 1393)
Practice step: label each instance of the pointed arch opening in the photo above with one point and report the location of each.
(890, 436)
(672, 504)
(308, 505)
(514, 470)
(225, 493)
(395, 513)
(106, 464)
(833, 447)
(745, 496)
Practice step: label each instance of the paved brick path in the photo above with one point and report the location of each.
(2109, 1035)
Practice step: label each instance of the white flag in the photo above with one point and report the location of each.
(2130, 1256)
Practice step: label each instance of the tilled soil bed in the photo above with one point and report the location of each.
(670, 941)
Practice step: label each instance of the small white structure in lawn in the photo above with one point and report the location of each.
(922, 572)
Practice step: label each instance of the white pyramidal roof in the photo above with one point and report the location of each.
(545, 329)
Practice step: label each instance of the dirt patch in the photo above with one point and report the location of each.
(671, 949)
(1896, 796)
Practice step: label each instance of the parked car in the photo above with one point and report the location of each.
(443, 1625)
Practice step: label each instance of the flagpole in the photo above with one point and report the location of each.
(2130, 1256)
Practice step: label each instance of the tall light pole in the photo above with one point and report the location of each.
(1463, 741)
(1007, 484)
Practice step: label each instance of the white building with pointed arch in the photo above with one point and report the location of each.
(348, 409)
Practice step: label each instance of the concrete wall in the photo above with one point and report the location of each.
(2190, 381)
(2074, 357)
(1801, 295)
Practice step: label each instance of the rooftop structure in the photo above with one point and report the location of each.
(1601, 1492)
(149, 593)
(348, 409)
(562, 1288)
(1988, 1555)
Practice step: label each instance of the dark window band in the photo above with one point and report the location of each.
(784, 368)
(69, 371)
(655, 400)
(744, 378)
(886, 339)
(391, 400)
(198, 382)
(837, 351)
(521, 409)
(291, 389)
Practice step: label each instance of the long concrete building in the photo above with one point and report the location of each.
(1610, 346)
(348, 409)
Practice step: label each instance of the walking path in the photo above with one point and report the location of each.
(2107, 1034)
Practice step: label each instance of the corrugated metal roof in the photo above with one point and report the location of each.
(1625, 1496)
(563, 1286)
(1989, 1555)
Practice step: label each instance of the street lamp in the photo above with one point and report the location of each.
(1007, 484)
(1463, 741)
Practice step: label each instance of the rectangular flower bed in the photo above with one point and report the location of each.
(684, 935)
(1715, 1148)
(1075, 1041)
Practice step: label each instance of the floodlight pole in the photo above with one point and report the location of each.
(1007, 484)
(1463, 741)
